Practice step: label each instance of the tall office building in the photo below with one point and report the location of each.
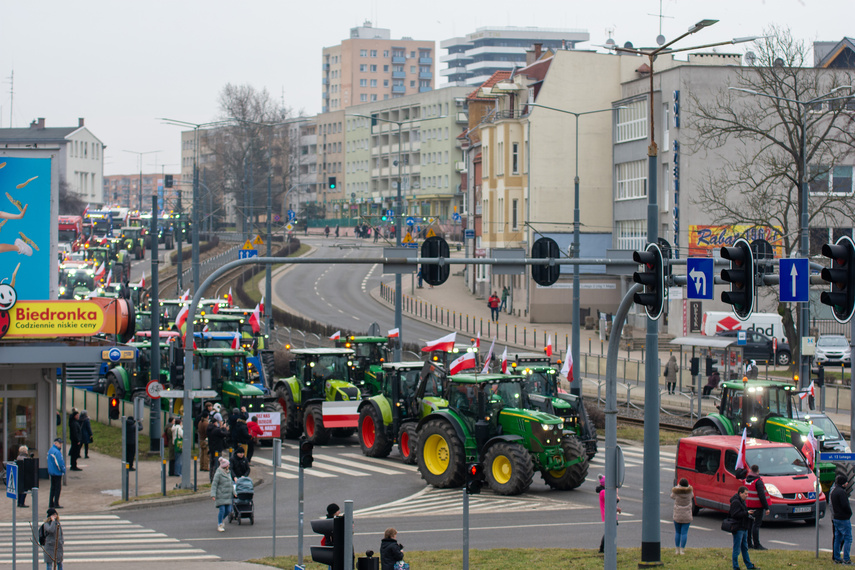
(370, 66)
(472, 59)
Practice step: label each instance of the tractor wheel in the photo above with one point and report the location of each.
(373, 436)
(313, 425)
(115, 387)
(408, 443)
(441, 460)
(848, 471)
(509, 468)
(343, 433)
(571, 476)
(291, 427)
(142, 251)
(705, 430)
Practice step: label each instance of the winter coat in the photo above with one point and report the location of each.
(202, 430)
(671, 370)
(74, 431)
(713, 380)
(239, 466)
(221, 488)
(757, 487)
(739, 513)
(601, 494)
(86, 430)
(682, 503)
(53, 543)
(167, 442)
(493, 302)
(390, 552)
(840, 504)
(254, 429)
(56, 464)
(216, 438)
(241, 433)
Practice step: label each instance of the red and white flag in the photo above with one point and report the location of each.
(99, 273)
(548, 347)
(809, 448)
(142, 281)
(505, 361)
(236, 342)
(740, 459)
(261, 305)
(336, 335)
(85, 210)
(109, 278)
(186, 296)
(567, 369)
(487, 359)
(811, 391)
(215, 309)
(205, 329)
(255, 320)
(229, 297)
(394, 333)
(465, 362)
(181, 317)
(477, 342)
(445, 343)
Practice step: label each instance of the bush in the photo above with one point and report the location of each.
(281, 362)
(597, 415)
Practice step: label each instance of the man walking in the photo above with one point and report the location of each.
(739, 512)
(757, 491)
(56, 469)
(75, 431)
(842, 523)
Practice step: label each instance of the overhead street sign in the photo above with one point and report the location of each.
(193, 394)
(795, 280)
(700, 274)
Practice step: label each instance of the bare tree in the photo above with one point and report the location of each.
(759, 187)
(70, 204)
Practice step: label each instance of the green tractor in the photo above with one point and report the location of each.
(318, 375)
(77, 285)
(130, 378)
(489, 419)
(230, 377)
(546, 395)
(132, 239)
(409, 391)
(768, 410)
(371, 353)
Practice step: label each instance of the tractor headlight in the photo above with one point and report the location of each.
(774, 491)
(546, 427)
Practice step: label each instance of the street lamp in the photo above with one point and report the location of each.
(576, 385)
(804, 245)
(139, 155)
(650, 531)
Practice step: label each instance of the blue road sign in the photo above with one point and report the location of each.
(12, 481)
(469, 234)
(837, 456)
(277, 218)
(700, 273)
(455, 216)
(247, 253)
(811, 495)
(411, 221)
(292, 215)
(741, 338)
(795, 281)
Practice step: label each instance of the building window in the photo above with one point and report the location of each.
(631, 179)
(363, 67)
(385, 83)
(412, 83)
(500, 214)
(385, 53)
(373, 83)
(500, 159)
(412, 54)
(363, 97)
(373, 69)
(835, 180)
(485, 159)
(631, 234)
(632, 121)
(515, 158)
(515, 214)
(386, 69)
(363, 83)
(363, 53)
(374, 53)
(373, 96)
(412, 69)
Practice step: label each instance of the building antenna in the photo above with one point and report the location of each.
(660, 39)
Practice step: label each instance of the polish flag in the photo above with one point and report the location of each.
(477, 343)
(505, 361)
(186, 295)
(810, 447)
(99, 273)
(811, 391)
(567, 369)
(205, 329)
(463, 363)
(215, 309)
(86, 210)
(740, 459)
(229, 297)
(548, 347)
(109, 278)
(261, 304)
(445, 343)
(181, 317)
(255, 320)
(236, 342)
(142, 281)
(486, 369)
(336, 335)
(394, 333)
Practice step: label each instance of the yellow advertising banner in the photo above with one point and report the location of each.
(703, 239)
(34, 319)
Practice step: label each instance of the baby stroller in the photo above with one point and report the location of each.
(242, 505)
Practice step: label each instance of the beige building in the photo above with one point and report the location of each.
(370, 66)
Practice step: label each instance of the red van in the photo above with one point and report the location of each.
(709, 464)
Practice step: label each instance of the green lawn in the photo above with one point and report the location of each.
(636, 433)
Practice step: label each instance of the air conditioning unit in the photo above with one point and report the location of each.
(460, 166)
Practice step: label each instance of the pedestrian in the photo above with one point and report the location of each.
(202, 433)
(504, 304)
(216, 444)
(601, 493)
(218, 412)
(255, 432)
(376, 234)
(842, 513)
(671, 370)
(54, 540)
(712, 382)
(333, 511)
(751, 371)
(131, 429)
(74, 432)
(85, 432)
(739, 512)
(222, 492)
(327, 232)
(178, 444)
(493, 302)
(391, 551)
(336, 230)
(683, 496)
(23, 455)
(757, 492)
(238, 464)
(56, 469)
(167, 446)
(420, 278)
(240, 435)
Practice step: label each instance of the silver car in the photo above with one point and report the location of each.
(833, 349)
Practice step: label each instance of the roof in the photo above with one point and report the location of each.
(495, 78)
(732, 441)
(322, 351)
(739, 384)
(358, 339)
(36, 135)
(841, 55)
(484, 378)
(536, 70)
(409, 364)
(704, 341)
(221, 351)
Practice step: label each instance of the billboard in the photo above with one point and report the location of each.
(705, 239)
(25, 226)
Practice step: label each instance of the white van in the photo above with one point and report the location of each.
(769, 324)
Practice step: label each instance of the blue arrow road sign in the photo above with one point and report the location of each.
(455, 216)
(700, 273)
(411, 221)
(795, 281)
(11, 481)
(837, 456)
(292, 215)
(247, 253)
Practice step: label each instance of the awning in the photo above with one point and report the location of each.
(705, 341)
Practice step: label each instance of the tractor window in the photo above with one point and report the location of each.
(234, 368)
(759, 403)
(538, 383)
(778, 402)
(330, 367)
(431, 386)
(463, 399)
(734, 409)
(409, 381)
(510, 394)
(707, 460)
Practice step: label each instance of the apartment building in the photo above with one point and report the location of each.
(123, 190)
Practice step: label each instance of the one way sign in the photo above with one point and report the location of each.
(700, 274)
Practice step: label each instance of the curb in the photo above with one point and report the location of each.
(170, 501)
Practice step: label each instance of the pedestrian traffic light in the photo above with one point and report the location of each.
(176, 374)
(383, 217)
(841, 276)
(331, 182)
(653, 279)
(435, 246)
(331, 554)
(545, 248)
(474, 478)
(114, 408)
(741, 278)
(306, 458)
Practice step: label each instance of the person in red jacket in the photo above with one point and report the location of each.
(493, 302)
(255, 432)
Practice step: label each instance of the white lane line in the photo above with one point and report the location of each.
(784, 543)
(282, 475)
(75, 560)
(403, 466)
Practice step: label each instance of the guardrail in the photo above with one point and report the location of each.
(209, 264)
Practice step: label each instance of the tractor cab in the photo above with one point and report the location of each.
(371, 353)
(230, 377)
(446, 357)
(78, 285)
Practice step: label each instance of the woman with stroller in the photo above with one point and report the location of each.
(222, 492)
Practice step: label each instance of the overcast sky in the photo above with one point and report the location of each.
(120, 64)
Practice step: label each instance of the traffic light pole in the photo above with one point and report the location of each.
(154, 426)
(300, 514)
(465, 529)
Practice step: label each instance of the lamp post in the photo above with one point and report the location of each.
(576, 384)
(804, 217)
(139, 155)
(650, 531)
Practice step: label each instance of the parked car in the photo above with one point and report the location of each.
(833, 349)
(761, 348)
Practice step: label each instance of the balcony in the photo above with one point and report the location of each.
(325, 81)
(399, 59)
(326, 67)
(425, 75)
(400, 89)
(426, 60)
(399, 75)
(425, 89)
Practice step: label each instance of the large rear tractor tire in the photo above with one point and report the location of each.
(848, 471)
(115, 387)
(442, 461)
(373, 437)
(509, 468)
(313, 424)
(570, 476)
(705, 430)
(291, 424)
(408, 443)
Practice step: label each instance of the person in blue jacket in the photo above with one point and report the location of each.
(56, 469)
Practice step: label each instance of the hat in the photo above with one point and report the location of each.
(57, 440)
(51, 511)
(224, 462)
(601, 477)
(239, 449)
(218, 407)
(332, 509)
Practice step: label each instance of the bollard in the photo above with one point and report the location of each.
(525, 337)
(195, 472)
(515, 334)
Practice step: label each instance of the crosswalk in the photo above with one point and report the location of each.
(633, 457)
(101, 538)
(346, 464)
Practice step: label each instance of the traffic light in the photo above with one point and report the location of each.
(383, 217)
(331, 182)
(168, 181)
(545, 248)
(474, 478)
(653, 279)
(435, 246)
(176, 374)
(741, 278)
(114, 408)
(841, 275)
(306, 458)
(332, 554)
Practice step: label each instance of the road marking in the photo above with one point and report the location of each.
(784, 543)
(361, 465)
(295, 468)
(385, 462)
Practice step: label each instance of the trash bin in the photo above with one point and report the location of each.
(367, 563)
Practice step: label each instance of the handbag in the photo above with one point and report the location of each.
(729, 525)
(401, 565)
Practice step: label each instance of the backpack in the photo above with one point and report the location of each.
(42, 536)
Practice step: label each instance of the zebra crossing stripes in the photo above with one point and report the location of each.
(344, 464)
(101, 538)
